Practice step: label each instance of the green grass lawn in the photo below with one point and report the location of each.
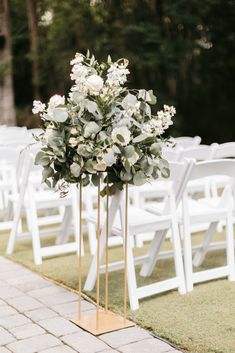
(198, 322)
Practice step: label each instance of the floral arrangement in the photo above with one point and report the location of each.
(101, 127)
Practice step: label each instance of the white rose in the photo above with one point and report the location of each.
(60, 115)
(94, 84)
(56, 100)
(121, 135)
(75, 169)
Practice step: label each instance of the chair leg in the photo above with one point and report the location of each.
(65, 226)
(149, 264)
(201, 252)
(35, 232)
(92, 238)
(131, 277)
(230, 247)
(15, 227)
(188, 267)
(179, 268)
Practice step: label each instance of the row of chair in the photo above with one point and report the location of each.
(172, 204)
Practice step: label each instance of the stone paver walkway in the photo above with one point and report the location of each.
(34, 317)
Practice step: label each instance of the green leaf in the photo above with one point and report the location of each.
(91, 128)
(47, 173)
(125, 176)
(116, 149)
(127, 166)
(89, 166)
(153, 98)
(139, 178)
(140, 138)
(155, 149)
(165, 172)
(129, 151)
(42, 159)
(95, 179)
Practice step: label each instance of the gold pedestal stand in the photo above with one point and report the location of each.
(102, 320)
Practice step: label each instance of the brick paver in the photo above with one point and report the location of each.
(34, 318)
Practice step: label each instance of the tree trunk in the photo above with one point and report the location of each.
(33, 34)
(7, 107)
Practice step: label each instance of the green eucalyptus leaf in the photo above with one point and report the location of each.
(165, 172)
(129, 151)
(84, 150)
(75, 170)
(139, 178)
(91, 128)
(42, 159)
(140, 138)
(95, 179)
(89, 166)
(125, 176)
(155, 149)
(153, 98)
(47, 173)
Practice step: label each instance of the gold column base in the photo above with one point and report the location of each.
(108, 322)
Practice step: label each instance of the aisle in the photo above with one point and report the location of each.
(34, 317)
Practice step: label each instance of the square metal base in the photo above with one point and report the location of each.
(108, 322)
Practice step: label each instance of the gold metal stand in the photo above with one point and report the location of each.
(102, 320)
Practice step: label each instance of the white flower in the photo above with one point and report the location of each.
(78, 59)
(101, 164)
(170, 109)
(94, 84)
(38, 107)
(55, 101)
(75, 169)
(79, 73)
(73, 141)
(73, 131)
(60, 115)
(121, 135)
(133, 159)
(117, 73)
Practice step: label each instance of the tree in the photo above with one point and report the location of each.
(33, 35)
(7, 108)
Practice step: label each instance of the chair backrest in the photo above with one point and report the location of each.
(199, 153)
(171, 154)
(179, 173)
(187, 141)
(224, 150)
(223, 167)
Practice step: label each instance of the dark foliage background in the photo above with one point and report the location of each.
(184, 50)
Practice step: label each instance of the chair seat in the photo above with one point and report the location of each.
(45, 199)
(200, 211)
(139, 221)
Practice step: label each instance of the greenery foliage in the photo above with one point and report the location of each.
(101, 127)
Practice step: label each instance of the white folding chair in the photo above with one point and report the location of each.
(213, 212)
(187, 141)
(224, 150)
(9, 159)
(33, 199)
(142, 221)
